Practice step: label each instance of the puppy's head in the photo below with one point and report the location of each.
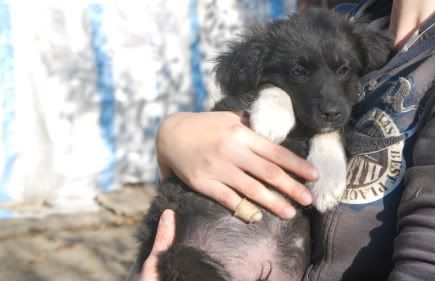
(316, 57)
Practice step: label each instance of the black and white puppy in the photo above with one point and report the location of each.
(298, 79)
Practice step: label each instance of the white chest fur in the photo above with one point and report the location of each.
(328, 156)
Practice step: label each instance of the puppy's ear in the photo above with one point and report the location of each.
(239, 70)
(375, 45)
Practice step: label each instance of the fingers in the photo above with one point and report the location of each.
(230, 190)
(222, 194)
(164, 239)
(257, 192)
(242, 169)
(282, 157)
(228, 197)
(276, 177)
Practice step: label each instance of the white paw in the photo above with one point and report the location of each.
(325, 197)
(272, 114)
(328, 156)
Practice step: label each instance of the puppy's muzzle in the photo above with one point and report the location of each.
(330, 112)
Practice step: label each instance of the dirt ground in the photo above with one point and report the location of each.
(92, 246)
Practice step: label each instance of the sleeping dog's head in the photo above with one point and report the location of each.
(316, 57)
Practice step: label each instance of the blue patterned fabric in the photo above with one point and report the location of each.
(7, 102)
(85, 86)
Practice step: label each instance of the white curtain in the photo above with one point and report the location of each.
(85, 84)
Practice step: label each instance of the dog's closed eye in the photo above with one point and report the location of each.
(299, 71)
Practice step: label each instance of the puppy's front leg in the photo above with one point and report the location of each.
(328, 157)
(272, 114)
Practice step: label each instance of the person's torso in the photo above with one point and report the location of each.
(355, 240)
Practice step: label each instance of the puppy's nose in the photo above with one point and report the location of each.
(330, 111)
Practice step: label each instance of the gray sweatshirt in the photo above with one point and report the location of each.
(384, 227)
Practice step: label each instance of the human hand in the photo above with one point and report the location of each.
(216, 155)
(164, 239)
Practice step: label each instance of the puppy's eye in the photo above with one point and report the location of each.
(343, 70)
(299, 71)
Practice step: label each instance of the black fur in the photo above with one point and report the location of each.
(316, 57)
(318, 42)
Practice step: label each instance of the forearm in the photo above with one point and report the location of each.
(414, 246)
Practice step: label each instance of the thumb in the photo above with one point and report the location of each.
(165, 232)
(164, 238)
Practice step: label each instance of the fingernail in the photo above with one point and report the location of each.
(306, 198)
(288, 212)
(314, 173)
(167, 217)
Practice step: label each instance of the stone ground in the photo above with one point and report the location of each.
(87, 246)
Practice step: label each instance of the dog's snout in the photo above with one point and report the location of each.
(330, 111)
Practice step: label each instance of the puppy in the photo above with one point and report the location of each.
(297, 79)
